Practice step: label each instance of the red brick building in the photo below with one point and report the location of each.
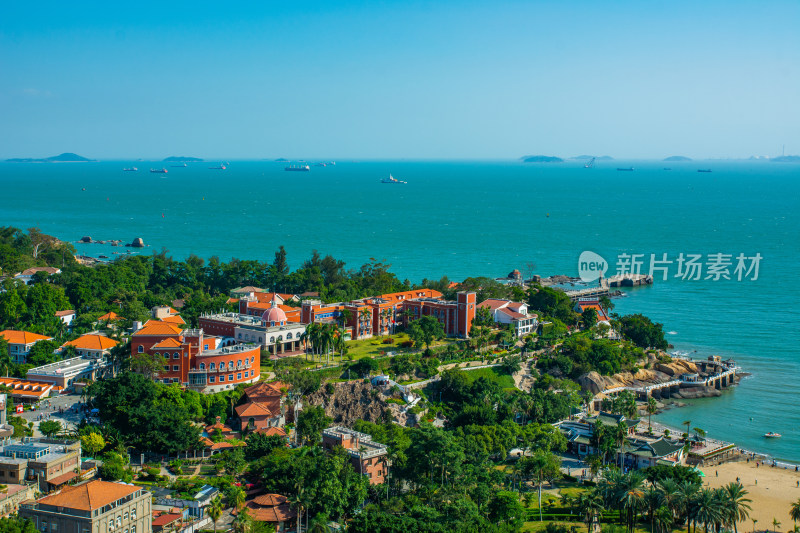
(368, 458)
(198, 361)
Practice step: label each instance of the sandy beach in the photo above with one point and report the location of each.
(772, 495)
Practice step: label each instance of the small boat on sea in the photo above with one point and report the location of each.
(391, 179)
(772, 435)
(158, 170)
(704, 170)
(320, 164)
(130, 169)
(180, 166)
(221, 167)
(297, 168)
(629, 169)
(590, 164)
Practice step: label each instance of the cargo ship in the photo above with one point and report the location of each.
(158, 170)
(297, 168)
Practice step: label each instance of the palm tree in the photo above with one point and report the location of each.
(775, 524)
(664, 519)
(652, 407)
(707, 508)
(794, 512)
(363, 322)
(299, 502)
(754, 524)
(242, 521)
(541, 466)
(738, 503)
(215, 510)
(590, 505)
(687, 423)
(632, 496)
(653, 500)
(620, 438)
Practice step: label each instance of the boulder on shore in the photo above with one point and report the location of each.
(86, 239)
(700, 391)
(137, 243)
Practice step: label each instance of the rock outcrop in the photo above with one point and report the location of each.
(350, 401)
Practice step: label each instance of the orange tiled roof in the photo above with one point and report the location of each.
(171, 342)
(395, 297)
(33, 270)
(92, 342)
(22, 337)
(166, 518)
(156, 327)
(220, 426)
(271, 431)
(174, 319)
(274, 509)
(89, 496)
(253, 409)
(111, 317)
(65, 313)
(25, 388)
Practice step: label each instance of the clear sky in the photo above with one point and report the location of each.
(404, 79)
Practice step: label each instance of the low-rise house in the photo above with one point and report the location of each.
(66, 316)
(64, 373)
(26, 390)
(592, 303)
(273, 509)
(26, 276)
(264, 407)
(91, 345)
(91, 507)
(20, 343)
(511, 313)
(38, 461)
(367, 457)
(109, 317)
(13, 495)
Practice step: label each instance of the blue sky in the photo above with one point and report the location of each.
(372, 80)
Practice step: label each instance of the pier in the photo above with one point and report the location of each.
(723, 376)
(621, 280)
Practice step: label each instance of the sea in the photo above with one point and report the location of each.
(487, 218)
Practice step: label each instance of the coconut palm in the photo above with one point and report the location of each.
(652, 407)
(738, 503)
(620, 438)
(664, 519)
(632, 496)
(653, 500)
(775, 524)
(215, 510)
(707, 508)
(794, 512)
(242, 521)
(590, 505)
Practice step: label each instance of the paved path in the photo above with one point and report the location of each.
(64, 408)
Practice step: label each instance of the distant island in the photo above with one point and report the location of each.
(281, 160)
(181, 159)
(786, 159)
(66, 157)
(595, 157)
(677, 158)
(541, 159)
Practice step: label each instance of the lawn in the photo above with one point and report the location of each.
(492, 374)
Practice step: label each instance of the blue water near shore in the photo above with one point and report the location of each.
(485, 218)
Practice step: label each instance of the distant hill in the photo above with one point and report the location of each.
(281, 160)
(541, 159)
(181, 159)
(597, 157)
(786, 159)
(677, 158)
(66, 157)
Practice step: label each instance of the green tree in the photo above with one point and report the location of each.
(50, 428)
(215, 509)
(541, 467)
(506, 508)
(589, 318)
(310, 423)
(426, 330)
(737, 503)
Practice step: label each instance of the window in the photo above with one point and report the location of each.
(239, 363)
(211, 366)
(230, 365)
(176, 355)
(272, 339)
(54, 527)
(239, 375)
(240, 335)
(119, 520)
(133, 529)
(221, 379)
(246, 374)
(211, 379)
(175, 368)
(125, 516)
(261, 339)
(205, 346)
(253, 359)
(289, 335)
(140, 349)
(133, 517)
(202, 366)
(230, 377)
(166, 368)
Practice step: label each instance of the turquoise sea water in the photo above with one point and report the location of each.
(485, 218)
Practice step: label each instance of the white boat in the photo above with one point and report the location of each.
(772, 435)
(131, 169)
(391, 179)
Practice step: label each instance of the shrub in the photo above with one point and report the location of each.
(554, 527)
(388, 340)
(407, 344)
